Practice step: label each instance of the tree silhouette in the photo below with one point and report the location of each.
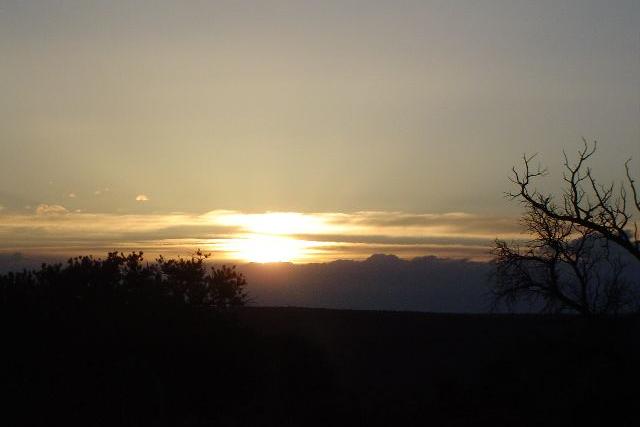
(188, 280)
(125, 280)
(578, 249)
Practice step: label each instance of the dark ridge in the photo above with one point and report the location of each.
(135, 346)
(383, 259)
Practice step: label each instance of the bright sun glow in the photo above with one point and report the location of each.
(268, 235)
(259, 248)
(274, 223)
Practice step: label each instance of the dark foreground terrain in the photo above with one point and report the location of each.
(307, 367)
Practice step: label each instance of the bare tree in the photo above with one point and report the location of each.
(576, 256)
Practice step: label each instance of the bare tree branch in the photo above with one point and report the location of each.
(568, 264)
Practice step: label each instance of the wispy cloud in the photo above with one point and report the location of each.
(321, 236)
(44, 209)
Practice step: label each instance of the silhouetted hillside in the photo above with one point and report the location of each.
(311, 367)
(403, 368)
(119, 342)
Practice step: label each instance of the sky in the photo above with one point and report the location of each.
(297, 130)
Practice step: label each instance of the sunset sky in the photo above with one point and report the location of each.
(300, 130)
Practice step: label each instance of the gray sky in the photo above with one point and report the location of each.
(324, 106)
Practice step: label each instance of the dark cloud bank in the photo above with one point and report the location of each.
(382, 282)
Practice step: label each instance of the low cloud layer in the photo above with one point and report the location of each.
(52, 229)
(381, 282)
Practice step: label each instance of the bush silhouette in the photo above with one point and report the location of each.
(126, 280)
(122, 341)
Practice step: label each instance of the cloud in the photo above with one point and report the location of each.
(142, 198)
(381, 282)
(325, 236)
(426, 223)
(72, 195)
(12, 261)
(44, 209)
(368, 223)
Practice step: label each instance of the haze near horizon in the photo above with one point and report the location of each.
(300, 131)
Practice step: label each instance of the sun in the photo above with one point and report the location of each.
(264, 248)
(270, 236)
